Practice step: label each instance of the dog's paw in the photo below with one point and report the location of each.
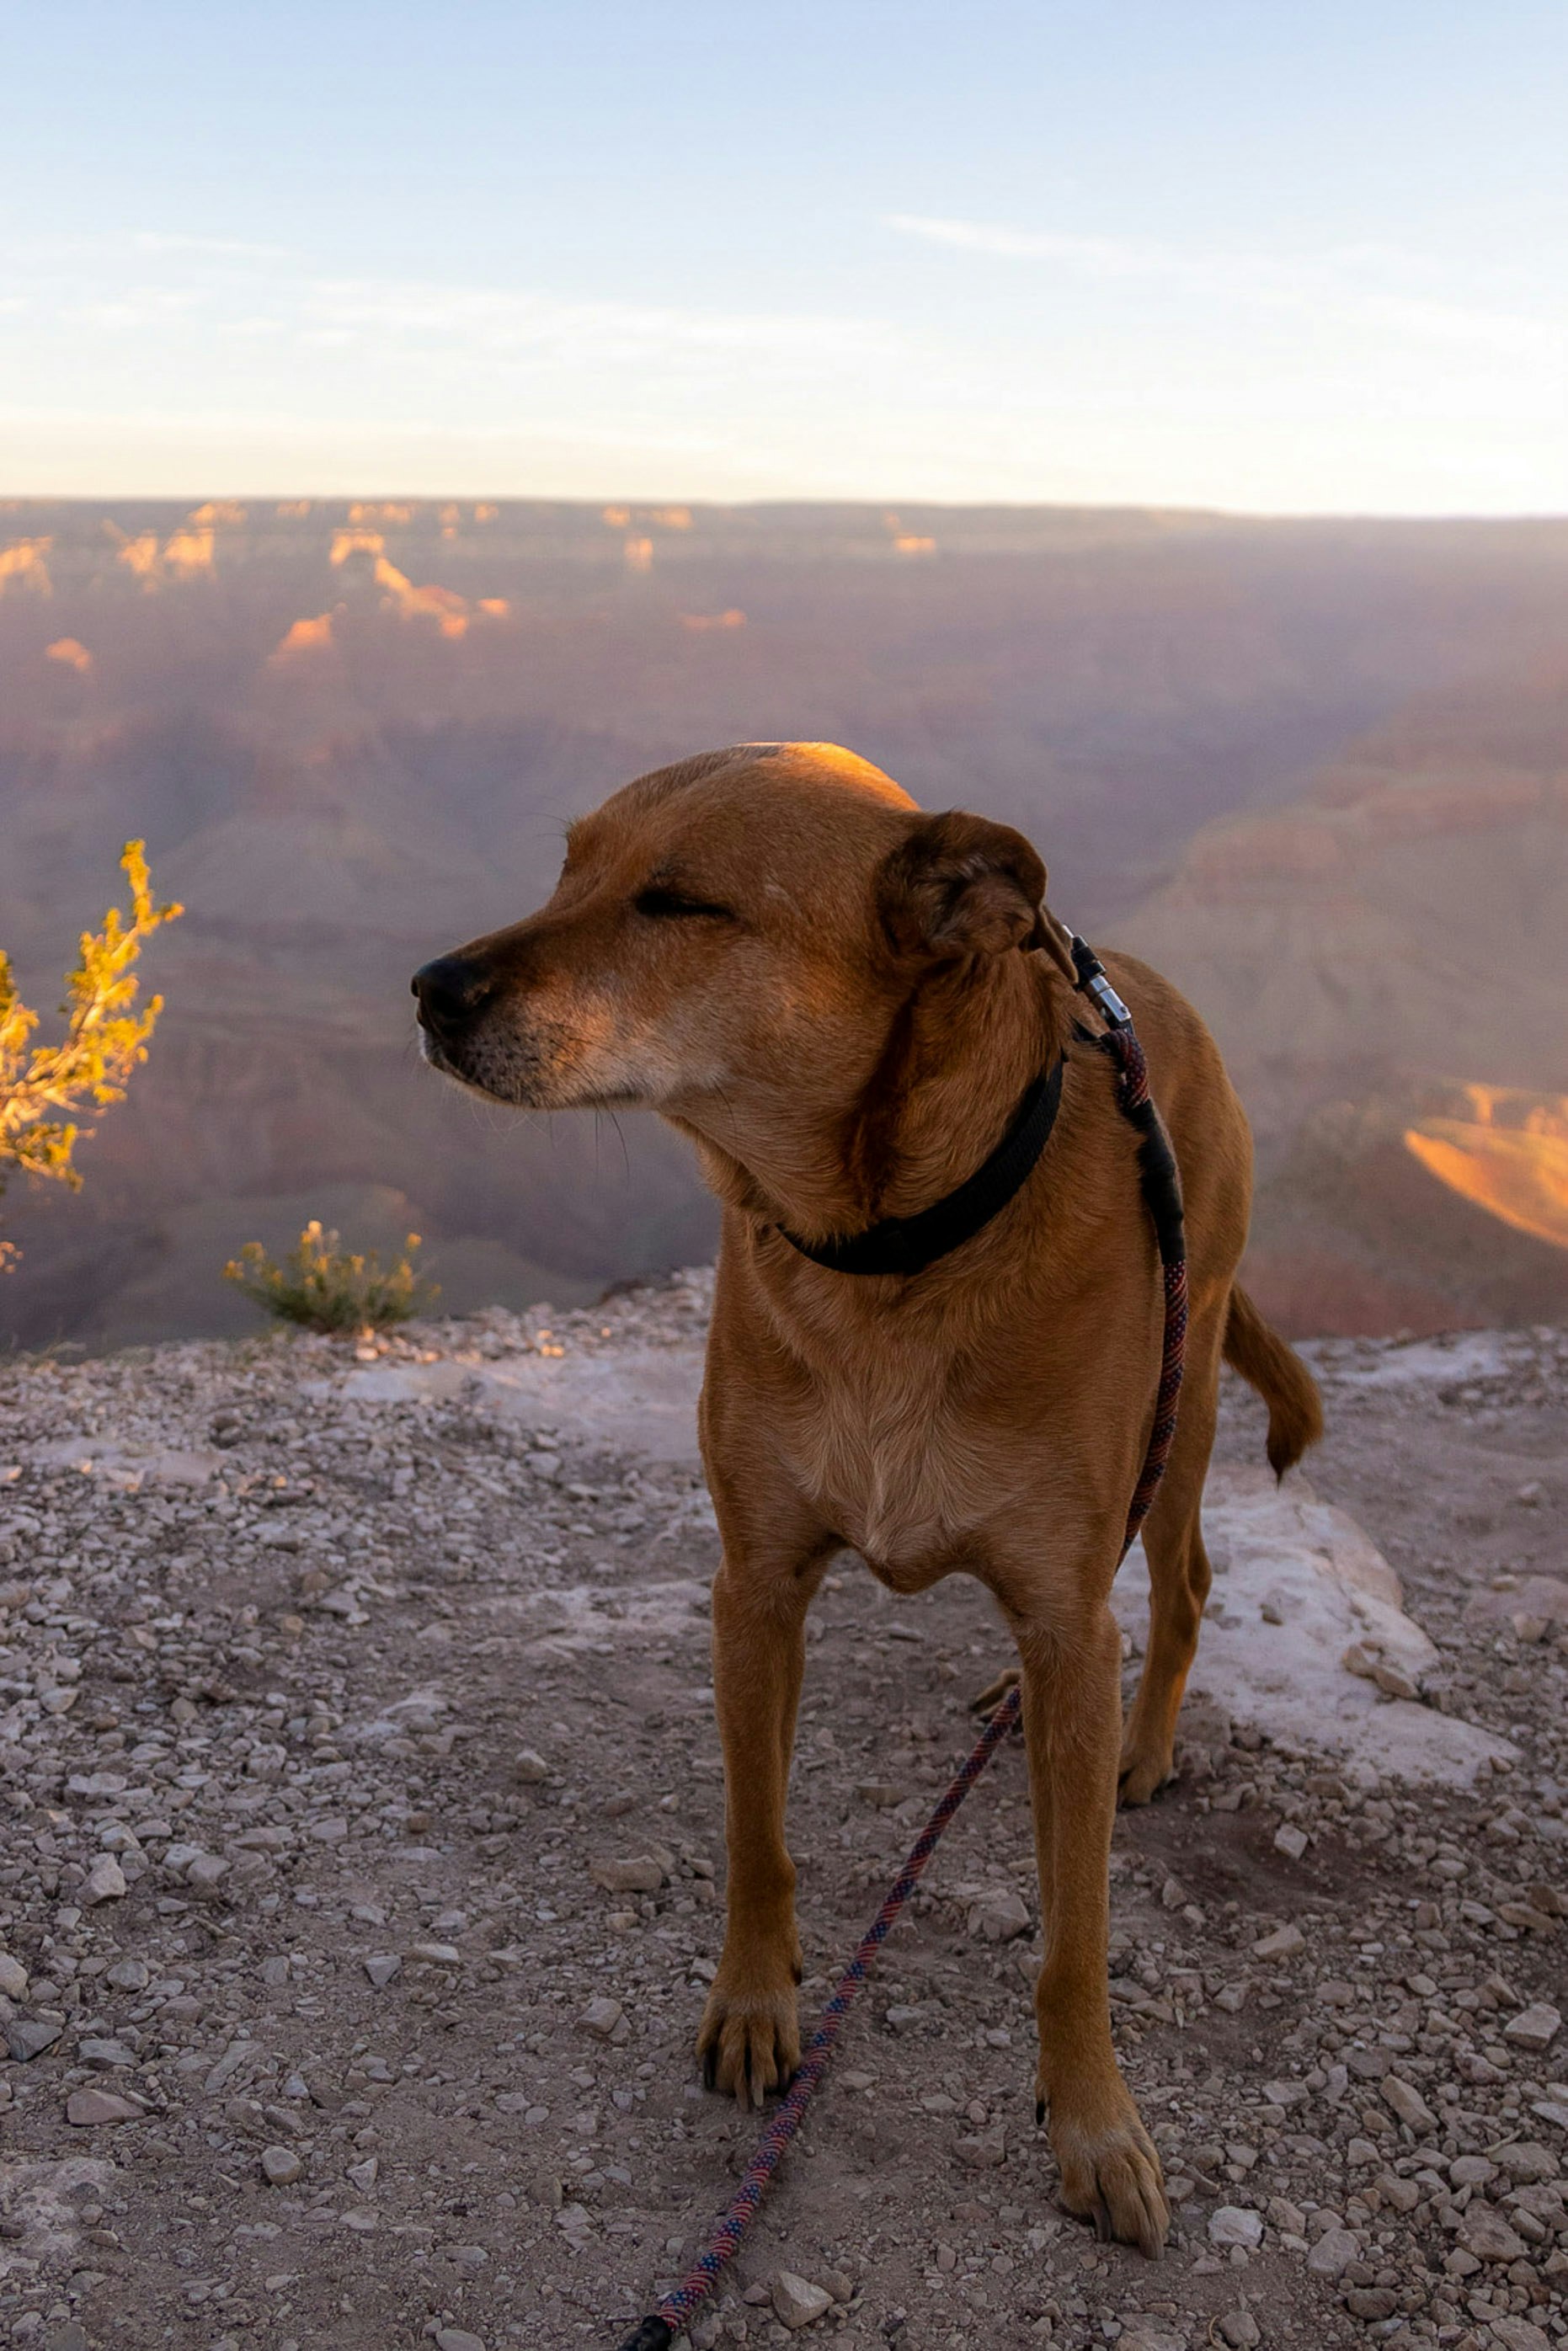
(994, 1692)
(1143, 1772)
(1112, 2177)
(749, 2043)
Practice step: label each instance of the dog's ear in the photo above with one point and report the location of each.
(960, 885)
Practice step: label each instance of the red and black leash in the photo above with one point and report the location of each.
(1162, 1196)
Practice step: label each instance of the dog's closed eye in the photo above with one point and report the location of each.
(662, 905)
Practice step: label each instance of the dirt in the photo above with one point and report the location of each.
(354, 1693)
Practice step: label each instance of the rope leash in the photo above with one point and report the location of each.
(1162, 1196)
(657, 2332)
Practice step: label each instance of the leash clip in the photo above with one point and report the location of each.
(1093, 982)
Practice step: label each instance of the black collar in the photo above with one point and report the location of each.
(909, 1244)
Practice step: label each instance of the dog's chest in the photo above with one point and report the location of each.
(898, 1462)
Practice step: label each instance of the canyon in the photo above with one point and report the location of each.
(1316, 771)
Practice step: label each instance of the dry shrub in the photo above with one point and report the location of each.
(326, 1288)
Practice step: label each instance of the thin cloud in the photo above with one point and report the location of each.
(501, 320)
(1099, 256)
(1351, 284)
(146, 240)
(228, 287)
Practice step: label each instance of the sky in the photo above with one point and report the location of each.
(1282, 259)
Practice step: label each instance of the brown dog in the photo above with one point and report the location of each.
(832, 994)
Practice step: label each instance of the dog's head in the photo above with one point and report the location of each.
(744, 923)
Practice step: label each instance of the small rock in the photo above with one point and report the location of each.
(238, 2053)
(382, 1966)
(1526, 1914)
(600, 2018)
(105, 1881)
(1535, 2027)
(640, 1874)
(438, 1955)
(128, 1975)
(1233, 2224)
(1283, 1944)
(1519, 2335)
(1291, 1841)
(13, 1977)
(457, 2338)
(797, 2302)
(27, 2037)
(999, 1915)
(87, 2108)
(1240, 2329)
(1334, 2252)
(104, 2054)
(1408, 2103)
(281, 2167)
(1285, 2093)
(1484, 2232)
(206, 1872)
(530, 1768)
(1525, 2159)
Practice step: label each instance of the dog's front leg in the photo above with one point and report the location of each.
(1072, 1723)
(750, 2038)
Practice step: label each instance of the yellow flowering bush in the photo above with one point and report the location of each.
(46, 1091)
(326, 1288)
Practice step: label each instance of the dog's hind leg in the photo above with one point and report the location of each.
(1179, 1572)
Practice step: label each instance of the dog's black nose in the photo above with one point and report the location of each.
(451, 990)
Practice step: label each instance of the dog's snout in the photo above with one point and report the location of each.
(451, 990)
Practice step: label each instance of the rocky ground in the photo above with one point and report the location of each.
(363, 1877)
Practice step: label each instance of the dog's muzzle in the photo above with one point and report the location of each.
(450, 992)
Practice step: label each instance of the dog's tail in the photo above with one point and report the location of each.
(1281, 1378)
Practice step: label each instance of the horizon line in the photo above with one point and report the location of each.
(11, 500)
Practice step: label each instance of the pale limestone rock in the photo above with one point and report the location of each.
(796, 2302)
(105, 1881)
(1233, 2224)
(86, 2108)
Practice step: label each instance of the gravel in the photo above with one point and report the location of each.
(364, 1864)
